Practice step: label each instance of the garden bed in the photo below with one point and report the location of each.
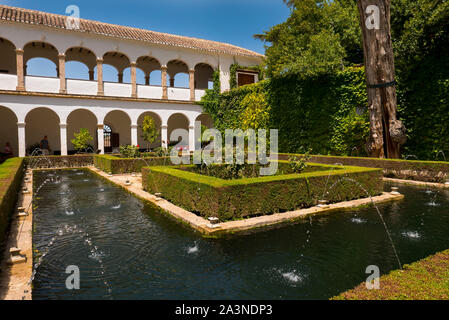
(11, 172)
(116, 165)
(240, 198)
(428, 171)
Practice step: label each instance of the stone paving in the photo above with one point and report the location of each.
(14, 278)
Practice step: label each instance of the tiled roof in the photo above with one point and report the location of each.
(89, 26)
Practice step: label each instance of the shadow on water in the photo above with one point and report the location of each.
(135, 252)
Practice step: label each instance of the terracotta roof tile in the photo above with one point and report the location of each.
(89, 26)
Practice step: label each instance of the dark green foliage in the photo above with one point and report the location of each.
(319, 37)
(74, 161)
(226, 109)
(317, 114)
(116, 165)
(246, 197)
(11, 172)
(128, 151)
(429, 171)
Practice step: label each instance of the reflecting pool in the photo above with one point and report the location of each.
(126, 249)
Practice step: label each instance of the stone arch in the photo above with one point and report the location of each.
(8, 129)
(120, 123)
(84, 56)
(40, 122)
(40, 52)
(8, 63)
(148, 64)
(118, 60)
(158, 121)
(203, 76)
(81, 118)
(177, 121)
(205, 120)
(174, 69)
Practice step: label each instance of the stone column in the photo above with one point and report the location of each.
(192, 84)
(63, 135)
(120, 77)
(21, 138)
(191, 138)
(133, 80)
(100, 138)
(20, 70)
(164, 82)
(164, 136)
(91, 75)
(147, 79)
(100, 77)
(134, 135)
(62, 81)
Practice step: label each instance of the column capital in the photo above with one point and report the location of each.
(164, 68)
(164, 126)
(191, 70)
(191, 127)
(63, 125)
(21, 124)
(134, 126)
(61, 56)
(100, 60)
(100, 126)
(19, 51)
(133, 64)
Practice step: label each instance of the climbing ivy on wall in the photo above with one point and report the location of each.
(233, 73)
(317, 114)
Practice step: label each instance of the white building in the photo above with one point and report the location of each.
(34, 106)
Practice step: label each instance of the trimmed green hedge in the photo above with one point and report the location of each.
(428, 171)
(74, 161)
(241, 198)
(426, 279)
(11, 173)
(116, 165)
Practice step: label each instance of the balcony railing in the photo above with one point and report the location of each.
(90, 88)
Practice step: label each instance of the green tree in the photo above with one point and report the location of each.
(319, 36)
(82, 140)
(149, 130)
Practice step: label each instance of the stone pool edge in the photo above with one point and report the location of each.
(238, 226)
(417, 183)
(14, 279)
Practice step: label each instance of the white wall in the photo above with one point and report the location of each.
(117, 89)
(149, 92)
(178, 93)
(8, 81)
(82, 87)
(42, 84)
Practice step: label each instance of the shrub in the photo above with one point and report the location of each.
(240, 198)
(82, 140)
(298, 163)
(128, 151)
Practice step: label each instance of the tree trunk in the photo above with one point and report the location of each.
(386, 132)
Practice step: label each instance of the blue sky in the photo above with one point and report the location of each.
(231, 21)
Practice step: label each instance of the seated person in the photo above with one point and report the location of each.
(8, 153)
(45, 146)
